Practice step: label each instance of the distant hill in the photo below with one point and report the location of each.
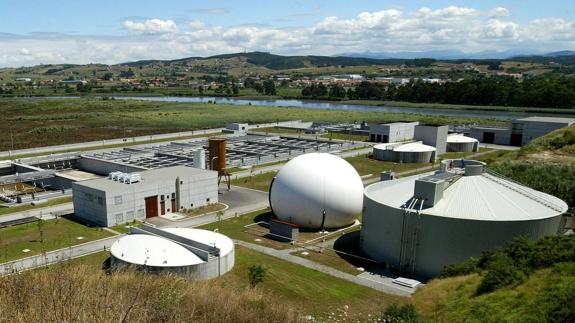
(562, 53)
(447, 54)
(279, 62)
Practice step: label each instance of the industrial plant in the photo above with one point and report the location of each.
(419, 224)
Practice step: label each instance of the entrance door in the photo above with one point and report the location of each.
(151, 206)
(385, 139)
(516, 139)
(174, 205)
(163, 207)
(488, 137)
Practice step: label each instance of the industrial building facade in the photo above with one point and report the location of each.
(392, 132)
(108, 202)
(521, 132)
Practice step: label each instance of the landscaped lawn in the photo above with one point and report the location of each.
(257, 182)
(26, 207)
(366, 165)
(56, 234)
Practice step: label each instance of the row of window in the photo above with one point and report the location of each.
(129, 216)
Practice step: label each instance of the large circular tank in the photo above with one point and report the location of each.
(414, 152)
(317, 190)
(420, 224)
(194, 253)
(461, 143)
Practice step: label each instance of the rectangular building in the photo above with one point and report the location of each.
(107, 202)
(526, 129)
(392, 132)
(433, 135)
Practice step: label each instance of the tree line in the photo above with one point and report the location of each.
(544, 93)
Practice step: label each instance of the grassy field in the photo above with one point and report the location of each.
(43, 122)
(56, 234)
(26, 207)
(257, 182)
(455, 106)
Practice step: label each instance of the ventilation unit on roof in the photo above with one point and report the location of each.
(124, 177)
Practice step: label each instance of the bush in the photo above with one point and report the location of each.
(256, 274)
(401, 314)
(467, 267)
(501, 272)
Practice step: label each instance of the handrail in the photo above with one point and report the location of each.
(518, 187)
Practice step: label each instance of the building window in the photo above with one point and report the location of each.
(119, 218)
(129, 215)
(208, 200)
(118, 199)
(162, 198)
(141, 214)
(173, 195)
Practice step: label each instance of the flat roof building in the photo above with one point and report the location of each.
(122, 198)
(392, 132)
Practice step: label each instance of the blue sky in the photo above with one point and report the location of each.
(32, 32)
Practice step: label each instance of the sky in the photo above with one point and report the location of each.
(104, 31)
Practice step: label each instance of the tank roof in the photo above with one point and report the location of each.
(414, 147)
(154, 251)
(484, 197)
(460, 139)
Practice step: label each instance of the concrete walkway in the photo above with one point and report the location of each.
(385, 286)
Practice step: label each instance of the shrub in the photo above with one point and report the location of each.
(256, 274)
(501, 272)
(401, 314)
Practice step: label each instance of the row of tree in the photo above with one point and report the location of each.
(545, 93)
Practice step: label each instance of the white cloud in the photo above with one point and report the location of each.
(196, 25)
(151, 26)
(450, 28)
(498, 12)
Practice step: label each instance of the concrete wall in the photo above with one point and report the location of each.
(395, 132)
(89, 204)
(536, 129)
(213, 268)
(462, 146)
(404, 157)
(432, 242)
(502, 135)
(435, 136)
(102, 167)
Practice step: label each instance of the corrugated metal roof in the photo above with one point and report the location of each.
(481, 197)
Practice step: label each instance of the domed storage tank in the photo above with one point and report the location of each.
(317, 191)
(415, 153)
(420, 224)
(461, 143)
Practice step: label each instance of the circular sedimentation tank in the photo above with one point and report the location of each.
(317, 191)
(461, 143)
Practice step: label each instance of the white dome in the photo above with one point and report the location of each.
(313, 184)
(414, 147)
(456, 139)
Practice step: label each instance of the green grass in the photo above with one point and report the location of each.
(366, 165)
(461, 154)
(310, 290)
(89, 119)
(234, 228)
(27, 207)
(455, 106)
(257, 182)
(454, 299)
(124, 228)
(58, 233)
(343, 136)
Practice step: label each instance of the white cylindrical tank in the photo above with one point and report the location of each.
(200, 158)
(461, 143)
(317, 190)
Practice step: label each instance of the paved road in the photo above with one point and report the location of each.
(381, 285)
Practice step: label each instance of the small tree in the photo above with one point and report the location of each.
(219, 216)
(256, 274)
